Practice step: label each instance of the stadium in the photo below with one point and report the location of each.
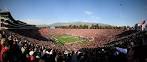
(73, 31)
(81, 41)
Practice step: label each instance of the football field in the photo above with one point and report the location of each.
(64, 39)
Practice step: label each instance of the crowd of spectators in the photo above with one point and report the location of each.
(97, 36)
(15, 49)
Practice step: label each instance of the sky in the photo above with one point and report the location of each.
(113, 12)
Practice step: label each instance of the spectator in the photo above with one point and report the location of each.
(4, 57)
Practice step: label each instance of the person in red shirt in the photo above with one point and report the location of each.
(4, 50)
(31, 57)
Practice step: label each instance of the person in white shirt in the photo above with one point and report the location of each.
(144, 27)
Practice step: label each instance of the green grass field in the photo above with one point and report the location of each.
(67, 39)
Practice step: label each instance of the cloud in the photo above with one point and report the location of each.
(91, 15)
(88, 12)
(90, 21)
(96, 17)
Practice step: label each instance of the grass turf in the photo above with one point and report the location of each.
(67, 39)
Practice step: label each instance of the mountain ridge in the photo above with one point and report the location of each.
(77, 23)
